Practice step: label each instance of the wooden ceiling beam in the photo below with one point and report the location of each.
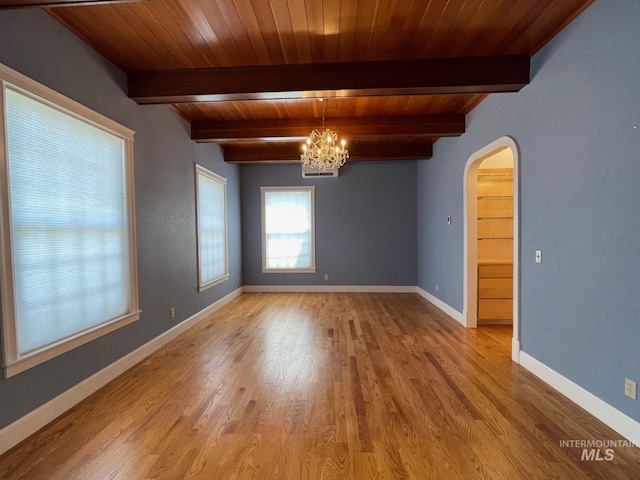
(11, 4)
(290, 152)
(328, 80)
(297, 129)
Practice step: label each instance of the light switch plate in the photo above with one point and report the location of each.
(630, 388)
(538, 256)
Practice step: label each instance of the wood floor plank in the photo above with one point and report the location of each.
(323, 386)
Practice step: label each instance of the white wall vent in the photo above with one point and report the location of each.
(311, 172)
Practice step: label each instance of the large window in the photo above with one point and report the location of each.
(211, 199)
(68, 246)
(288, 229)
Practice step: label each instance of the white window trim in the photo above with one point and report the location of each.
(200, 170)
(13, 363)
(308, 188)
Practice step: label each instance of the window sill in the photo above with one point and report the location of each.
(19, 365)
(213, 283)
(288, 270)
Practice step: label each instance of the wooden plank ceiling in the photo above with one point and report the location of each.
(247, 74)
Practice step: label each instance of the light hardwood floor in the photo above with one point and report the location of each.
(323, 386)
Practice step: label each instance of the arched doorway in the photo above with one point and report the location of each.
(470, 290)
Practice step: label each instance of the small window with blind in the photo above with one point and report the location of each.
(68, 242)
(211, 200)
(288, 229)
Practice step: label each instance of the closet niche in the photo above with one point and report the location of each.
(495, 246)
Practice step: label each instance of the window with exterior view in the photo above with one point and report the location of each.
(211, 197)
(288, 224)
(69, 272)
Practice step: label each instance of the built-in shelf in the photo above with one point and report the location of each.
(495, 247)
(482, 176)
(495, 293)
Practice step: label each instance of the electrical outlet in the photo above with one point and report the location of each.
(326, 276)
(630, 389)
(436, 287)
(172, 312)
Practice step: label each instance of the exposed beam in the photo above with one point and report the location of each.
(290, 152)
(293, 129)
(410, 77)
(7, 4)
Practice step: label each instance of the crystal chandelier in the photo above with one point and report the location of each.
(322, 149)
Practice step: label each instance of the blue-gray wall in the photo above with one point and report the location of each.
(579, 202)
(37, 46)
(365, 224)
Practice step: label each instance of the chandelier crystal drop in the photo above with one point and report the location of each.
(323, 150)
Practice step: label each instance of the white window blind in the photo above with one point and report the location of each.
(212, 228)
(68, 227)
(288, 229)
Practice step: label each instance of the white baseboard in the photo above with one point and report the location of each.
(14, 433)
(515, 350)
(328, 289)
(618, 421)
(452, 312)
